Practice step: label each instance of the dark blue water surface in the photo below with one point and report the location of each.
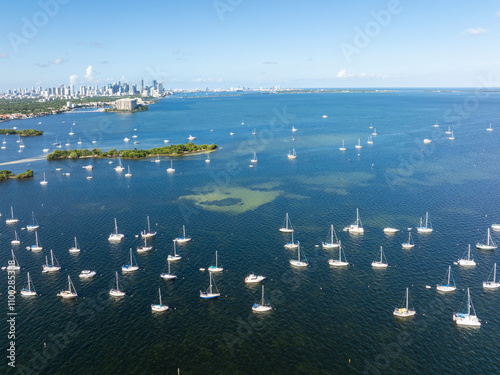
(324, 320)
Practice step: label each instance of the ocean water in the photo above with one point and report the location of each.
(324, 320)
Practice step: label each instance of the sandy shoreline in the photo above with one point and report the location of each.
(29, 160)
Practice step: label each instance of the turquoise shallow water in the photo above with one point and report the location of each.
(324, 320)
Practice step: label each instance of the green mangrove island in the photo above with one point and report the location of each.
(6, 175)
(172, 150)
(22, 133)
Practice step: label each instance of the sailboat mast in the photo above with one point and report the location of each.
(332, 234)
(495, 273)
(468, 301)
(184, 231)
(159, 295)
(449, 272)
(216, 265)
(210, 282)
(262, 303)
(149, 229)
(406, 299)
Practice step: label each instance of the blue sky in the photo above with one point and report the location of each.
(224, 43)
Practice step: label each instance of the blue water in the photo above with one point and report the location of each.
(324, 320)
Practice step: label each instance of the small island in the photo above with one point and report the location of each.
(22, 133)
(6, 175)
(172, 150)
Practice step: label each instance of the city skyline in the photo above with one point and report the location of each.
(222, 44)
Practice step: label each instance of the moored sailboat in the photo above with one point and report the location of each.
(357, 226)
(133, 264)
(448, 284)
(70, 292)
(489, 244)
(468, 318)
(382, 262)
(159, 307)
(404, 311)
(30, 289)
(332, 244)
(264, 304)
(493, 284)
(210, 292)
(287, 227)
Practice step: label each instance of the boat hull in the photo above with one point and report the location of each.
(490, 285)
(209, 295)
(445, 288)
(337, 263)
(261, 308)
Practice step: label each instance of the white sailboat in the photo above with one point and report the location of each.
(133, 264)
(12, 220)
(425, 227)
(294, 129)
(343, 146)
(157, 160)
(191, 138)
(382, 262)
(448, 131)
(216, 268)
(16, 240)
(115, 237)
(408, 244)
(119, 168)
(207, 160)
(168, 275)
(159, 307)
(74, 249)
(184, 238)
(44, 181)
(287, 227)
(358, 146)
(34, 224)
(148, 233)
(53, 266)
(71, 132)
(70, 293)
(357, 227)
(175, 256)
(299, 262)
(490, 129)
(264, 304)
(253, 278)
(292, 244)
(436, 125)
(374, 131)
(292, 155)
(128, 174)
(116, 292)
(467, 261)
(332, 244)
(171, 169)
(341, 261)
(254, 132)
(13, 264)
(404, 311)
(495, 227)
(451, 137)
(489, 245)
(210, 293)
(142, 249)
(448, 283)
(370, 140)
(79, 141)
(37, 246)
(30, 289)
(468, 318)
(254, 160)
(493, 284)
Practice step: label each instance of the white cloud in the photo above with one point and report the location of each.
(477, 31)
(498, 14)
(342, 73)
(89, 74)
(57, 61)
(73, 78)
